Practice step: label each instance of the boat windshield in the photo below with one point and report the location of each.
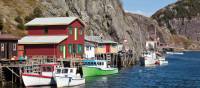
(58, 71)
(65, 71)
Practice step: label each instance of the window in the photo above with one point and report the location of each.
(87, 48)
(81, 31)
(75, 33)
(58, 71)
(70, 48)
(14, 47)
(61, 48)
(100, 45)
(71, 70)
(79, 49)
(65, 71)
(70, 30)
(2, 46)
(114, 45)
(45, 30)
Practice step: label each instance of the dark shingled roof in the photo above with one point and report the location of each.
(8, 37)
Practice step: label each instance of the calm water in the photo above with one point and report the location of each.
(183, 71)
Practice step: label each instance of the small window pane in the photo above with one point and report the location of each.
(2, 47)
(58, 71)
(70, 30)
(65, 70)
(14, 47)
(81, 31)
(71, 70)
(70, 48)
(79, 48)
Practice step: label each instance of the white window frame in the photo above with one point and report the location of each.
(2, 47)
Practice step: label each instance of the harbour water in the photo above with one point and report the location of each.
(183, 71)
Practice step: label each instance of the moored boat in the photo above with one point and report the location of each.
(162, 60)
(148, 58)
(39, 75)
(65, 76)
(175, 53)
(97, 68)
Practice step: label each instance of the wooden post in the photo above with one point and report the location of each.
(12, 76)
(116, 63)
(20, 73)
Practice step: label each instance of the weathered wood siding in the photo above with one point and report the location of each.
(8, 48)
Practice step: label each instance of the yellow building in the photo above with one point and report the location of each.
(102, 46)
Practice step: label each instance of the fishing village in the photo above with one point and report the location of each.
(56, 45)
(99, 44)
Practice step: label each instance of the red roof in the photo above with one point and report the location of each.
(8, 37)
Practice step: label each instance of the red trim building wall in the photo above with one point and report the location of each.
(54, 49)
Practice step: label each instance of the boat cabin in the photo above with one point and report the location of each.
(95, 63)
(68, 71)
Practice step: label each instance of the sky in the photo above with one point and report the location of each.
(145, 7)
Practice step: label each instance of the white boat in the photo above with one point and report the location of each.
(162, 60)
(65, 76)
(177, 53)
(149, 58)
(39, 75)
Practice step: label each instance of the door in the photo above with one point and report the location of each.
(107, 48)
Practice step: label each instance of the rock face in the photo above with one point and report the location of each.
(181, 18)
(101, 16)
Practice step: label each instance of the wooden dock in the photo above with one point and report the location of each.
(10, 70)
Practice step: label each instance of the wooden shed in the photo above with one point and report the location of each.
(8, 46)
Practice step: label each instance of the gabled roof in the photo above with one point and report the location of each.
(98, 39)
(8, 37)
(42, 39)
(52, 21)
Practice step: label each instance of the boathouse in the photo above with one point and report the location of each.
(59, 37)
(8, 46)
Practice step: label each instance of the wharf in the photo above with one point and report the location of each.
(10, 70)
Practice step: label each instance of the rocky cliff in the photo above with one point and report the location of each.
(181, 18)
(100, 16)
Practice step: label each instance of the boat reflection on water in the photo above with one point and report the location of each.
(97, 78)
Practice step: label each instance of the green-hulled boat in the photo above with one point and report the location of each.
(97, 68)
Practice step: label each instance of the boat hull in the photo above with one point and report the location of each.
(145, 61)
(67, 81)
(37, 80)
(94, 71)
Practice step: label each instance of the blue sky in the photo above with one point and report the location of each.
(145, 7)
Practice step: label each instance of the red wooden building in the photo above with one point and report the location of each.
(61, 37)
